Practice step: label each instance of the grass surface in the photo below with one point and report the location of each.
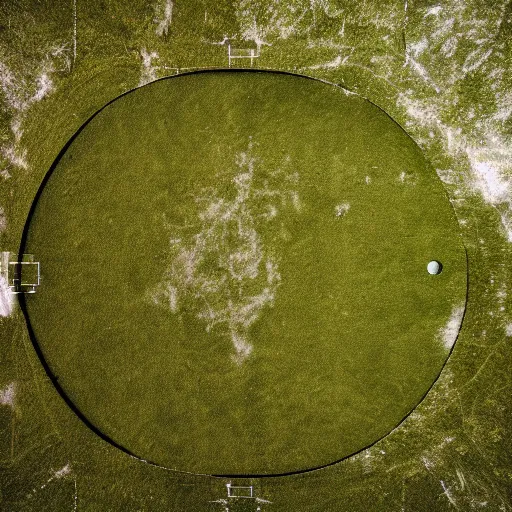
(442, 71)
(234, 273)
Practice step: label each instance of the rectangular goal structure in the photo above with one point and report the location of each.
(242, 53)
(21, 276)
(237, 491)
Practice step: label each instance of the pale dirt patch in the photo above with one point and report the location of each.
(8, 395)
(148, 70)
(164, 17)
(341, 210)
(6, 298)
(450, 331)
(3, 220)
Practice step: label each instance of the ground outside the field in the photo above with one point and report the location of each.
(234, 286)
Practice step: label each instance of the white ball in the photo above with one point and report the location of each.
(434, 268)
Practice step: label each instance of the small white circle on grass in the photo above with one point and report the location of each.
(434, 267)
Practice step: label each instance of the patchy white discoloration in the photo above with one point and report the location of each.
(489, 160)
(433, 11)
(501, 296)
(15, 156)
(20, 94)
(475, 59)
(8, 395)
(6, 298)
(341, 209)
(448, 494)
(407, 178)
(148, 71)
(369, 458)
(427, 463)
(469, 39)
(252, 32)
(12, 89)
(450, 331)
(448, 176)
(225, 270)
(3, 220)
(491, 163)
(65, 470)
(335, 63)
(417, 48)
(44, 86)
(57, 475)
(74, 30)
(508, 329)
(298, 19)
(421, 71)
(164, 17)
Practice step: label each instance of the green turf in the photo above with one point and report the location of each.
(205, 211)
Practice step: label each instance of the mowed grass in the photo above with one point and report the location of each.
(278, 210)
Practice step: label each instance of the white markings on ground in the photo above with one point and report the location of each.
(490, 163)
(3, 220)
(19, 94)
(225, 270)
(479, 145)
(293, 20)
(8, 395)
(65, 470)
(450, 331)
(448, 494)
(74, 30)
(501, 296)
(6, 298)
(335, 63)
(148, 71)
(427, 463)
(75, 497)
(251, 32)
(420, 70)
(369, 458)
(475, 59)
(164, 17)
(16, 97)
(368, 180)
(407, 178)
(341, 209)
(224, 41)
(57, 475)
(462, 479)
(508, 330)
(489, 159)
(504, 106)
(418, 47)
(433, 11)
(44, 85)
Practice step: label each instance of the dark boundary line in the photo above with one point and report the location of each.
(54, 378)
